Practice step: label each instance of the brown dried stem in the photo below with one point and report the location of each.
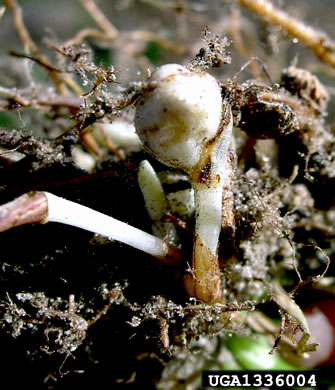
(28, 208)
(85, 33)
(111, 33)
(138, 35)
(318, 41)
(25, 37)
(15, 100)
(100, 18)
(21, 28)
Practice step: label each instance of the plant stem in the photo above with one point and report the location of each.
(204, 280)
(43, 207)
(318, 41)
(71, 213)
(208, 203)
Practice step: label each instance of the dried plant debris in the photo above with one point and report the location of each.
(214, 54)
(70, 126)
(261, 113)
(45, 152)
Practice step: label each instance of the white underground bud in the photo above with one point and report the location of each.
(155, 202)
(179, 112)
(152, 191)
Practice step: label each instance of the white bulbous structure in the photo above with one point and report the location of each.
(179, 112)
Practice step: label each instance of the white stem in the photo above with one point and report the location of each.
(204, 281)
(71, 213)
(208, 203)
(208, 197)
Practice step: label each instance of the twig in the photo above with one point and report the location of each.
(140, 35)
(85, 33)
(28, 208)
(313, 279)
(3, 153)
(49, 68)
(33, 49)
(110, 145)
(99, 18)
(89, 142)
(15, 98)
(29, 43)
(250, 62)
(280, 332)
(318, 41)
(110, 32)
(21, 28)
(113, 296)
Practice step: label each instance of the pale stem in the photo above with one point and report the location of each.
(208, 197)
(208, 203)
(203, 282)
(71, 213)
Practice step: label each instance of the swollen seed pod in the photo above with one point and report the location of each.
(182, 121)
